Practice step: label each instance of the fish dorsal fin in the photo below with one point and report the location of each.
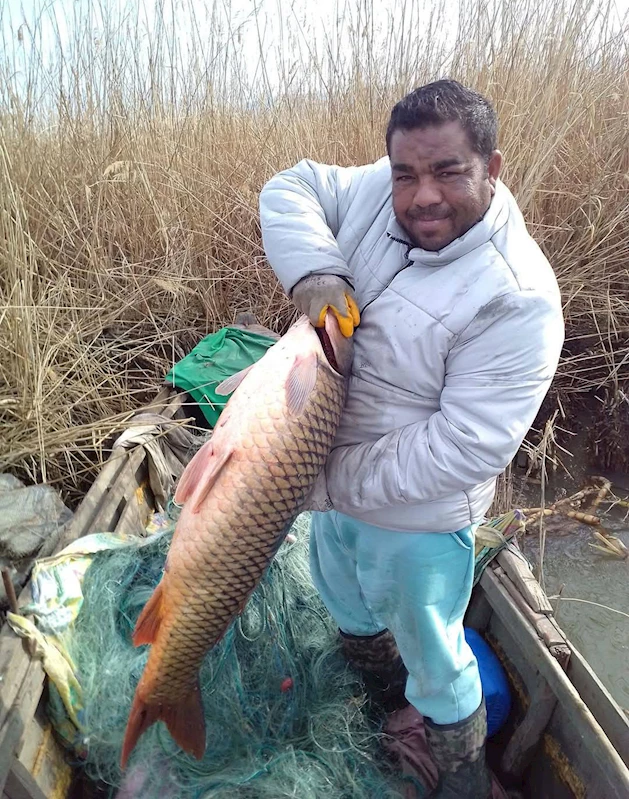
(232, 382)
(147, 625)
(201, 474)
(301, 382)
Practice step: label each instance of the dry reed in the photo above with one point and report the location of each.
(130, 167)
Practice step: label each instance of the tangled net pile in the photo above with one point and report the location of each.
(284, 715)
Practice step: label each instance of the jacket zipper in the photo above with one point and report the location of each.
(380, 293)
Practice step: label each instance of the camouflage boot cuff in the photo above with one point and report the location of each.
(378, 660)
(459, 753)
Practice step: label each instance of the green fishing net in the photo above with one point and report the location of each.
(285, 716)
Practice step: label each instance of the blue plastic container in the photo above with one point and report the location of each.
(493, 679)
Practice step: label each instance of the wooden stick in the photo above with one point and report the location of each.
(559, 506)
(584, 518)
(522, 577)
(10, 591)
(550, 633)
(603, 491)
(535, 517)
(623, 503)
(612, 543)
(574, 498)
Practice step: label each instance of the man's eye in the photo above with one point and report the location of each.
(448, 174)
(401, 178)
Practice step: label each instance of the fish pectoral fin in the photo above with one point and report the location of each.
(201, 474)
(232, 382)
(300, 383)
(147, 625)
(186, 722)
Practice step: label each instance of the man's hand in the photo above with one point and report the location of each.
(315, 294)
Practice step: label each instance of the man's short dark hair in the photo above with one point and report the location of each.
(448, 101)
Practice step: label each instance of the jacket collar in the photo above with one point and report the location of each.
(495, 217)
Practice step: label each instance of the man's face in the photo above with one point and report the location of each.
(441, 186)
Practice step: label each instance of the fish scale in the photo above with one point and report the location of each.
(226, 536)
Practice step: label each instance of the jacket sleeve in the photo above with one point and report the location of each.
(497, 375)
(301, 211)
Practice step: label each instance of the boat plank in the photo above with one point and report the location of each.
(604, 707)
(20, 712)
(526, 738)
(31, 740)
(130, 522)
(106, 519)
(21, 784)
(92, 501)
(478, 612)
(611, 771)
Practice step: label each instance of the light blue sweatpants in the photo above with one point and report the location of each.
(418, 586)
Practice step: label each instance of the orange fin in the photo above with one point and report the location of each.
(200, 474)
(185, 722)
(148, 622)
(141, 717)
(300, 383)
(232, 382)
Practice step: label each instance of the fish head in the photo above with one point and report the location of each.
(331, 347)
(337, 348)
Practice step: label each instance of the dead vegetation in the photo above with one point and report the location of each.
(130, 167)
(583, 507)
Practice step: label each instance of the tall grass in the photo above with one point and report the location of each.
(131, 158)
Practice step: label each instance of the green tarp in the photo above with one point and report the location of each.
(215, 358)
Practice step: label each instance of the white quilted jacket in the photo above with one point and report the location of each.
(454, 354)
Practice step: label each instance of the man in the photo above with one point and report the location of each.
(458, 334)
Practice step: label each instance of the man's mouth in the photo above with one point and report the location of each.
(429, 224)
(426, 218)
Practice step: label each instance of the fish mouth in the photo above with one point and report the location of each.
(328, 349)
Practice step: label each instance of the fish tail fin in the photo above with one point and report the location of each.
(185, 721)
(147, 625)
(141, 717)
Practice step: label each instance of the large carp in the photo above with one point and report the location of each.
(240, 494)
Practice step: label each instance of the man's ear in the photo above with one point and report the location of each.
(493, 168)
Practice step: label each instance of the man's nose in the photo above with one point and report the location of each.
(428, 192)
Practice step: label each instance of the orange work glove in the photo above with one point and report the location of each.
(315, 294)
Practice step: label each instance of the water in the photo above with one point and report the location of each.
(600, 635)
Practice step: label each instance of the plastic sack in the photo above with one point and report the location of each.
(493, 679)
(215, 358)
(32, 519)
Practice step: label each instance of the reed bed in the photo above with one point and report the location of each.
(132, 153)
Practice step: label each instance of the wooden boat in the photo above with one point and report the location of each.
(566, 736)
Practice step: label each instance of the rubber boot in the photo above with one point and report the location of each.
(378, 660)
(459, 753)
